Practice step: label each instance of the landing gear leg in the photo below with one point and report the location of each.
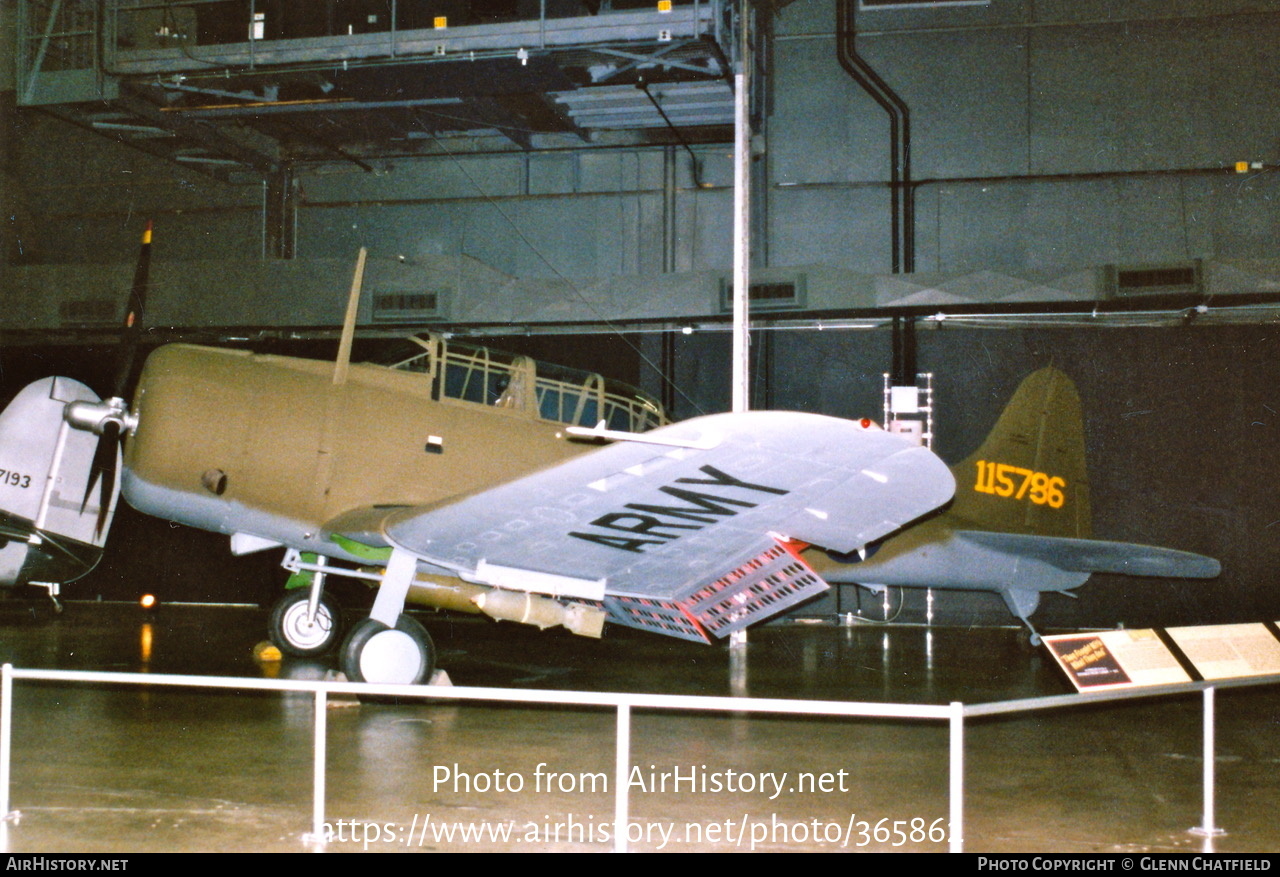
(305, 622)
(1022, 603)
(299, 631)
(53, 589)
(389, 647)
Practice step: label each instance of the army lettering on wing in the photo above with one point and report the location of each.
(649, 524)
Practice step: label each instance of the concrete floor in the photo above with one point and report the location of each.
(119, 769)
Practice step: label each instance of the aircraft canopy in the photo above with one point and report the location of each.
(477, 374)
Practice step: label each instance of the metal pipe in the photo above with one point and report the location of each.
(901, 194)
(904, 351)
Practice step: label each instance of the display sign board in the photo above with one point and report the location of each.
(1229, 651)
(1115, 659)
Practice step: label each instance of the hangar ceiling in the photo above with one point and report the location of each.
(244, 90)
(235, 86)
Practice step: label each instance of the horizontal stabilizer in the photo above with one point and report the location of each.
(1089, 555)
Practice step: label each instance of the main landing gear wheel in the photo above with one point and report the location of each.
(294, 635)
(403, 655)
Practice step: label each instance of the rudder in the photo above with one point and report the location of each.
(1029, 476)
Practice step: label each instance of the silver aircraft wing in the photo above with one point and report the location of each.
(691, 526)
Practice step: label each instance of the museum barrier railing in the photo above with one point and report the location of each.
(954, 714)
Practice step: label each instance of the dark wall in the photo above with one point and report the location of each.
(1182, 431)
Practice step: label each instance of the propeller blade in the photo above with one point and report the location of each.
(133, 315)
(102, 471)
(106, 455)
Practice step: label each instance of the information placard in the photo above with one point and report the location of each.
(1115, 659)
(1229, 651)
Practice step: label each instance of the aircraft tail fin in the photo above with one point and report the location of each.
(1029, 476)
(49, 532)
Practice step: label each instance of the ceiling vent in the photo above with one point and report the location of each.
(415, 306)
(1167, 278)
(766, 295)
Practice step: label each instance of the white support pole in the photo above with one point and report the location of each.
(957, 777)
(741, 391)
(622, 765)
(318, 834)
(742, 213)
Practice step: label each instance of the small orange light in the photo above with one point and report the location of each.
(866, 422)
(148, 601)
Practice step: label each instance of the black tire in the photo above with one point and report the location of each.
(288, 625)
(371, 643)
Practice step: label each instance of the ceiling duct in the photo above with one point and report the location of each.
(767, 295)
(412, 306)
(1167, 278)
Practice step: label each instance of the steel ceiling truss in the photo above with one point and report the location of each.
(155, 79)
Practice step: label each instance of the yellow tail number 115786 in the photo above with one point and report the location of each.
(1001, 479)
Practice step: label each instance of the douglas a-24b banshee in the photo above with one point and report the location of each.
(459, 478)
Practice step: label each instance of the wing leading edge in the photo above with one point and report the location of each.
(691, 537)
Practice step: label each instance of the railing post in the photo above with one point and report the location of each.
(622, 765)
(1209, 760)
(957, 777)
(318, 834)
(6, 735)
(1207, 816)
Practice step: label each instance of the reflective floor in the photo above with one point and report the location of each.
(121, 769)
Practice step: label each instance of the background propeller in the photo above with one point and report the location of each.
(109, 418)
